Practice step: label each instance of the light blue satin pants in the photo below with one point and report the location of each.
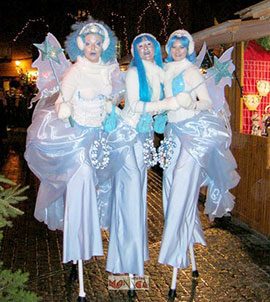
(128, 246)
(181, 187)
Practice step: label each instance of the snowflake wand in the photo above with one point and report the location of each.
(218, 71)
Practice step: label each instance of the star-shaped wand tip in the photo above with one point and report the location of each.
(220, 70)
(49, 51)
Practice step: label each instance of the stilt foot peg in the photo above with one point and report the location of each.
(195, 274)
(73, 273)
(172, 293)
(131, 293)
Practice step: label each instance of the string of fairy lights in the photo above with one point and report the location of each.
(165, 17)
(123, 19)
(149, 5)
(82, 14)
(165, 21)
(30, 21)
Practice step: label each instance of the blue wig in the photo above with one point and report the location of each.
(73, 50)
(145, 90)
(185, 42)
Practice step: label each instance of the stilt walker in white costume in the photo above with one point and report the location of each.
(128, 246)
(66, 142)
(196, 145)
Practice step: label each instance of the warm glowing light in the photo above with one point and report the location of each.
(32, 74)
(17, 63)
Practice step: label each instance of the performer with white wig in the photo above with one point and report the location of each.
(199, 140)
(66, 142)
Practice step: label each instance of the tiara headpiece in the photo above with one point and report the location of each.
(94, 28)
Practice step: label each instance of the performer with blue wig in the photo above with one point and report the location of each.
(200, 142)
(66, 139)
(128, 246)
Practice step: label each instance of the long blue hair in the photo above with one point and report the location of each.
(145, 90)
(73, 50)
(185, 42)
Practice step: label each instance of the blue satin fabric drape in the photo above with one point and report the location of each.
(202, 157)
(206, 138)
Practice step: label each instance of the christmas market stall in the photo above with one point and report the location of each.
(249, 102)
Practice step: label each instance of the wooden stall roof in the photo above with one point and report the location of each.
(259, 10)
(232, 31)
(239, 29)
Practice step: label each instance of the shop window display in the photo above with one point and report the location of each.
(256, 88)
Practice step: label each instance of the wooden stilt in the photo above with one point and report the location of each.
(131, 291)
(73, 273)
(172, 291)
(81, 297)
(193, 262)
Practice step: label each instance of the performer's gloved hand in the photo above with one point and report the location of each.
(118, 98)
(169, 103)
(62, 109)
(185, 100)
(108, 106)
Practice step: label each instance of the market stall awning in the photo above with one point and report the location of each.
(259, 10)
(232, 31)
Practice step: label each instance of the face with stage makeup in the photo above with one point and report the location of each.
(146, 50)
(178, 51)
(92, 47)
(180, 46)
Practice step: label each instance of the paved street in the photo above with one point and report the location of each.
(234, 267)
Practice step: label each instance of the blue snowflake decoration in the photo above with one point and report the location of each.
(100, 147)
(219, 70)
(150, 155)
(165, 152)
(49, 51)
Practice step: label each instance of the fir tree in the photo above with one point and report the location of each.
(12, 284)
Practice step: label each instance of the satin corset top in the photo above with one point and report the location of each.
(178, 84)
(181, 76)
(88, 112)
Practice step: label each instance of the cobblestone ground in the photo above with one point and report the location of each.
(235, 265)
